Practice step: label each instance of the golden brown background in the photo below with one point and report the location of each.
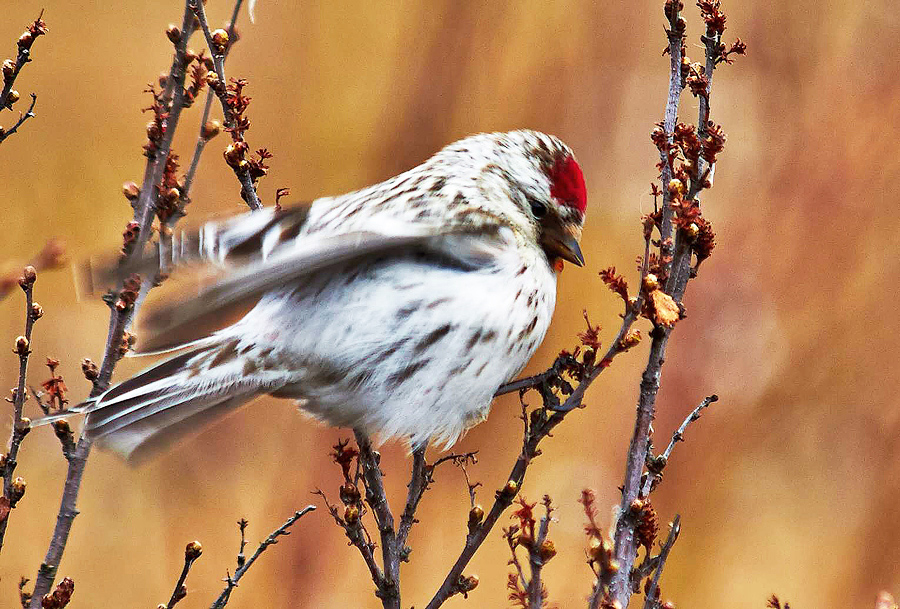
(788, 485)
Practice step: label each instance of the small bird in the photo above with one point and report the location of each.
(398, 309)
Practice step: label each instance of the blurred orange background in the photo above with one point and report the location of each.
(789, 484)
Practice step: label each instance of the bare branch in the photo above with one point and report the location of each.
(5, 133)
(232, 582)
(14, 489)
(655, 465)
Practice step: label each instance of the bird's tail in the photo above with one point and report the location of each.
(165, 403)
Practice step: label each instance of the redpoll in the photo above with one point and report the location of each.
(398, 309)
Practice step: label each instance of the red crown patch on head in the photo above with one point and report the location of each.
(567, 184)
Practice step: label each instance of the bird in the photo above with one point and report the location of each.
(398, 309)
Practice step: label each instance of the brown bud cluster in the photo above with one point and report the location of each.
(220, 40)
(60, 597)
(17, 490)
(89, 369)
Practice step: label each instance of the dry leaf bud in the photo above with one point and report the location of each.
(636, 506)
(154, 131)
(163, 79)
(25, 40)
(476, 515)
(173, 195)
(21, 346)
(131, 191)
(89, 369)
(193, 550)
(511, 488)
(37, 311)
(173, 33)
(18, 489)
(547, 551)
(210, 130)
(467, 583)
(650, 282)
(12, 98)
(9, 68)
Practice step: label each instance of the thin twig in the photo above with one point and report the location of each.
(651, 600)
(13, 492)
(231, 582)
(191, 553)
(658, 463)
(537, 560)
(418, 484)
(358, 537)
(5, 133)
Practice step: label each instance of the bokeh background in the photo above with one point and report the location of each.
(788, 485)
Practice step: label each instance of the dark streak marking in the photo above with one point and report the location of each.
(474, 339)
(400, 377)
(226, 353)
(431, 338)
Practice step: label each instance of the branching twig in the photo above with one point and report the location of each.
(369, 462)
(655, 465)
(11, 69)
(218, 49)
(231, 582)
(5, 133)
(14, 489)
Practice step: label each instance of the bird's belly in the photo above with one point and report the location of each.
(409, 348)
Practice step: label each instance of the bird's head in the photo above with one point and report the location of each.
(539, 176)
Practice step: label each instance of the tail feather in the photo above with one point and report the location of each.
(167, 402)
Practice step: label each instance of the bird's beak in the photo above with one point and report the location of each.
(562, 242)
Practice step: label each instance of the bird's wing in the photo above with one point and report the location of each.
(237, 241)
(180, 323)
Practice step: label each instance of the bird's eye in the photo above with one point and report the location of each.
(538, 208)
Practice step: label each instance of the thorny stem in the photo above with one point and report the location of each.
(650, 599)
(19, 430)
(231, 582)
(119, 320)
(248, 191)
